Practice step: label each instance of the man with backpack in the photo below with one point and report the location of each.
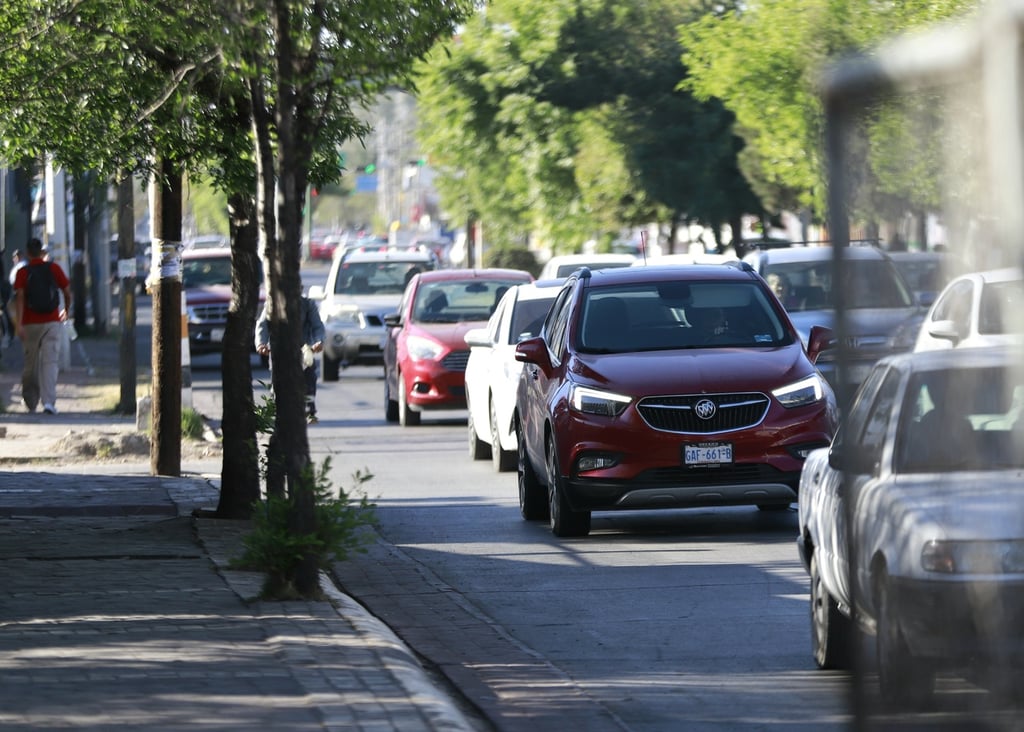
(39, 316)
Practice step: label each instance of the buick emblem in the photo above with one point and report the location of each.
(705, 409)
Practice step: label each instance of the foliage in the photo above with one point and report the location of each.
(512, 257)
(545, 130)
(192, 425)
(340, 520)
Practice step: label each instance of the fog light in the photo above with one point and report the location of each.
(421, 388)
(802, 451)
(595, 462)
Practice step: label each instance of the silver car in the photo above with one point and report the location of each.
(361, 288)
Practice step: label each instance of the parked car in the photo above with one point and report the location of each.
(923, 543)
(882, 315)
(563, 265)
(206, 282)
(492, 372)
(360, 290)
(207, 241)
(425, 352)
(322, 248)
(975, 309)
(666, 387)
(926, 273)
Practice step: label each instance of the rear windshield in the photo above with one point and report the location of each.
(459, 301)
(872, 283)
(672, 315)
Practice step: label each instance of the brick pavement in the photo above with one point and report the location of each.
(118, 609)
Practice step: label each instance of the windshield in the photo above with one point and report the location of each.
(669, 315)
(966, 419)
(459, 301)
(871, 283)
(376, 278)
(205, 272)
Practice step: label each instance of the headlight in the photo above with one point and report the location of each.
(345, 317)
(423, 349)
(800, 394)
(974, 557)
(592, 401)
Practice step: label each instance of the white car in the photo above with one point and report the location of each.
(911, 525)
(492, 373)
(563, 265)
(361, 289)
(975, 309)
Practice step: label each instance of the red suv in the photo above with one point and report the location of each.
(425, 352)
(666, 387)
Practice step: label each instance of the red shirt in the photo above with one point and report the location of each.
(30, 316)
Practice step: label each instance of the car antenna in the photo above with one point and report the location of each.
(643, 245)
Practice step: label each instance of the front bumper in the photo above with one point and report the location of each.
(355, 346)
(437, 384)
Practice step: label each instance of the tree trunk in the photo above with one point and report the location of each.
(80, 194)
(165, 443)
(129, 286)
(240, 475)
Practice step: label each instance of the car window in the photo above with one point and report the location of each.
(527, 318)
(871, 283)
(376, 278)
(876, 425)
(963, 419)
(556, 322)
(997, 300)
(669, 315)
(955, 305)
(458, 301)
(205, 272)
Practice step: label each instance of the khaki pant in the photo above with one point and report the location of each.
(42, 350)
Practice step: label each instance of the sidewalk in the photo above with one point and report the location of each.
(118, 609)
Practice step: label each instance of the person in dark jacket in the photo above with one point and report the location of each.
(313, 343)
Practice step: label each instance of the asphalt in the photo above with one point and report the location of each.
(118, 607)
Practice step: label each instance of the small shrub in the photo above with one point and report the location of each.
(192, 425)
(512, 257)
(274, 548)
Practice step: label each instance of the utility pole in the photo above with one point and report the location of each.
(165, 442)
(128, 288)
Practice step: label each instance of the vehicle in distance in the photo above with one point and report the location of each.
(975, 309)
(666, 387)
(322, 248)
(425, 352)
(882, 314)
(360, 290)
(492, 372)
(206, 282)
(925, 272)
(563, 265)
(928, 525)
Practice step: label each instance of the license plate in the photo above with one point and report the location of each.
(217, 335)
(707, 453)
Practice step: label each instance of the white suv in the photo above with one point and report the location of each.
(361, 288)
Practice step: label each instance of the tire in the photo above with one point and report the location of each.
(903, 681)
(832, 633)
(533, 498)
(564, 521)
(502, 460)
(331, 368)
(390, 405)
(406, 416)
(478, 449)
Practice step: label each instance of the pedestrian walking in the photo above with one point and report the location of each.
(39, 317)
(312, 340)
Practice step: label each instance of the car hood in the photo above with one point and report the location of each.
(859, 322)
(705, 370)
(451, 335)
(962, 505)
(366, 303)
(208, 295)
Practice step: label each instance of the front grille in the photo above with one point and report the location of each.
(723, 475)
(679, 413)
(456, 360)
(217, 312)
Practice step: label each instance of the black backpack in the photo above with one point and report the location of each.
(41, 293)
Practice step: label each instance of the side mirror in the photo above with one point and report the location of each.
(820, 339)
(945, 329)
(535, 351)
(316, 292)
(850, 461)
(478, 337)
(393, 320)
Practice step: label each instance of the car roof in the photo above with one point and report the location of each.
(813, 254)
(449, 275)
(206, 253)
(600, 257)
(671, 272)
(538, 290)
(998, 355)
(392, 255)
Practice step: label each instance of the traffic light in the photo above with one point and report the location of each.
(369, 169)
